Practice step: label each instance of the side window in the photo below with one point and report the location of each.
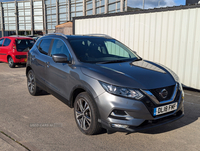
(6, 42)
(114, 49)
(44, 46)
(1, 42)
(59, 48)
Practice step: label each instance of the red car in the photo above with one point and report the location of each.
(14, 50)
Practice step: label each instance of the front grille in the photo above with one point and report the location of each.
(170, 90)
(150, 105)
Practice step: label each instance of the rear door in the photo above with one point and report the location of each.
(1, 53)
(39, 58)
(58, 73)
(5, 48)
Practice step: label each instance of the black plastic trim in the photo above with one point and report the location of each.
(20, 56)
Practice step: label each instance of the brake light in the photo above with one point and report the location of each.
(14, 46)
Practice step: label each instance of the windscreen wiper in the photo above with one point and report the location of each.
(138, 59)
(112, 61)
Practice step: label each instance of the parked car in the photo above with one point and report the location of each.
(34, 37)
(14, 50)
(106, 83)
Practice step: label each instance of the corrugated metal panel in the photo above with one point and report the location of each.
(171, 38)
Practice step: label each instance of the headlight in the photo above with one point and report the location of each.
(125, 92)
(180, 84)
(181, 88)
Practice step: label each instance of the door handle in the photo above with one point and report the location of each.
(33, 58)
(47, 63)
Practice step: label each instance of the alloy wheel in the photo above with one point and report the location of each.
(10, 61)
(83, 114)
(31, 82)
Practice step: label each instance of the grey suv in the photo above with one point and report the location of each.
(108, 85)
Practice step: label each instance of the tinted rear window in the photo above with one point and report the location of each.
(24, 44)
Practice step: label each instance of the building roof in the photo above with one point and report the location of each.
(140, 11)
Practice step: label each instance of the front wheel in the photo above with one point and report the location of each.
(31, 83)
(11, 62)
(85, 113)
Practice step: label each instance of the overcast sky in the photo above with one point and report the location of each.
(155, 3)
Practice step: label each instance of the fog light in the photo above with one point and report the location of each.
(119, 126)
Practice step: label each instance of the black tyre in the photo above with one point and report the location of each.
(85, 113)
(31, 83)
(11, 62)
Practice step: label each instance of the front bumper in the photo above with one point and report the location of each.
(139, 114)
(145, 125)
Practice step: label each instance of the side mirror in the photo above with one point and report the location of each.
(60, 58)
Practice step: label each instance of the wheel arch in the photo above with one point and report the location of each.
(77, 90)
(8, 56)
(28, 68)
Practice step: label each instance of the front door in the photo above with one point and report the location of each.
(58, 73)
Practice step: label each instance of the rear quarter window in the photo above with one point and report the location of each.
(38, 43)
(6, 42)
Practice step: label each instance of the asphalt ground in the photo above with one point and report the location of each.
(45, 123)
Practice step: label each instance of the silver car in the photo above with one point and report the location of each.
(108, 85)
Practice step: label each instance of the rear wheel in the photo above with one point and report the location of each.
(31, 83)
(85, 113)
(11, 62)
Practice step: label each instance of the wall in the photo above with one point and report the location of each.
(65, 28)
(170, 37)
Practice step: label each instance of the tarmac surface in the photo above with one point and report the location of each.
(45, 123)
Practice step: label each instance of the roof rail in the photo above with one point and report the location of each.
(99, 35)
(57, 34)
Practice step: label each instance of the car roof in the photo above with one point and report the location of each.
(82, 37)
(96, 36)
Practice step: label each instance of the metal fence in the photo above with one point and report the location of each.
(169, 36)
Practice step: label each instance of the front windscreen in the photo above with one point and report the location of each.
(101, 50)
(24, 45)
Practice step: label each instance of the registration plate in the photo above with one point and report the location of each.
(165, 109)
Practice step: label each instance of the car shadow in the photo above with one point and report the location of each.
(191, 114)
(42, 92)
(20, 66)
